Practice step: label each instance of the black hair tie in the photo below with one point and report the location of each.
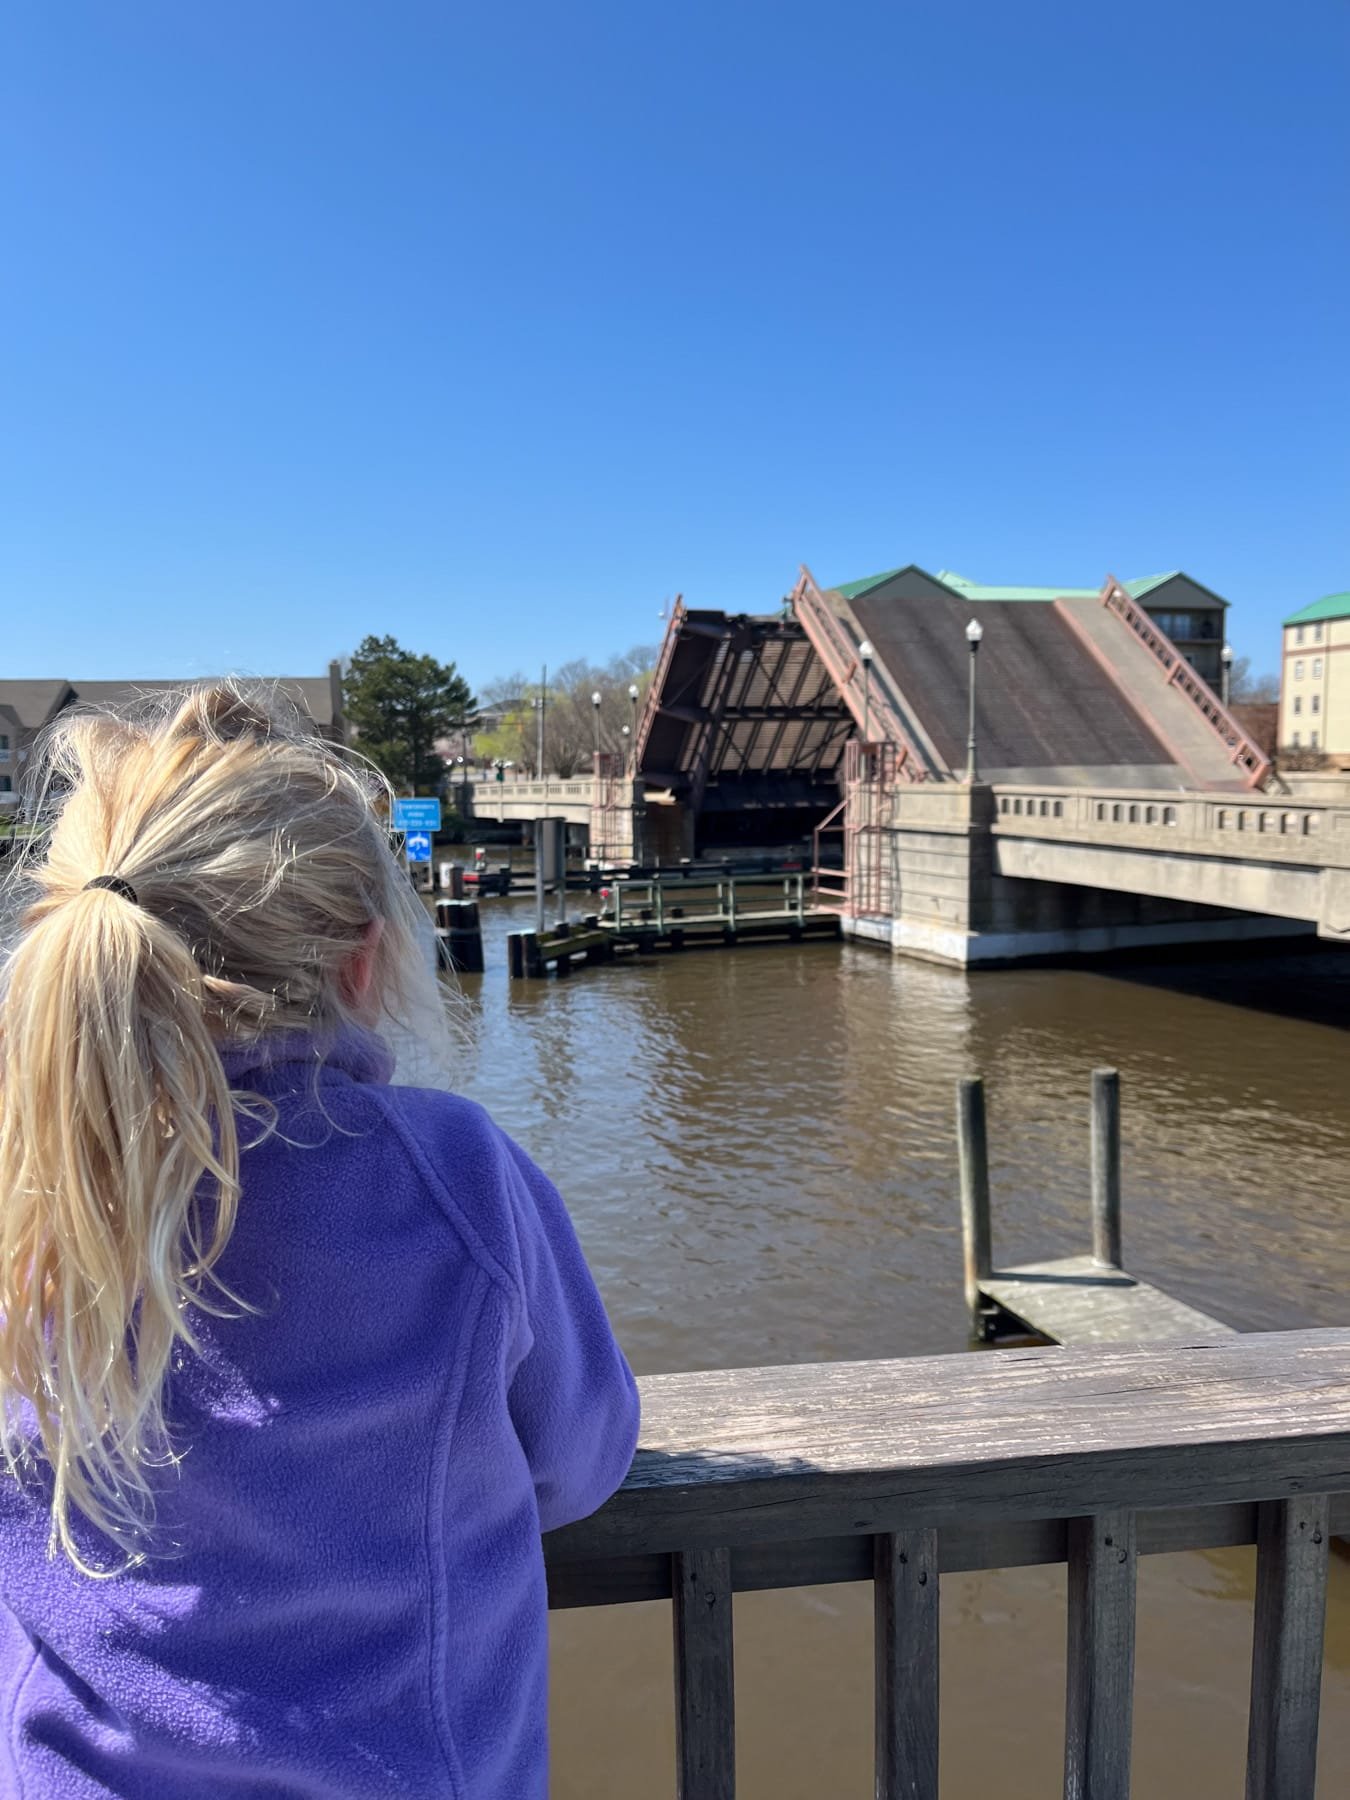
(115, 885)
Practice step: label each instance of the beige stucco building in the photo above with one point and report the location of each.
(1315, 680)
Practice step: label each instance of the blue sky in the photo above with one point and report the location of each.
(493, 327)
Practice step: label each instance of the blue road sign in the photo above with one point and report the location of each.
(417, 844)
(417, 815)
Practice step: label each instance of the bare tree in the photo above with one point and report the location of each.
(1244, 686)
(570, 716)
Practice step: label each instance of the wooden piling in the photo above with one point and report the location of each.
(1106, 1247)
(1071, 1299)
(974, 1150)
(461, 935)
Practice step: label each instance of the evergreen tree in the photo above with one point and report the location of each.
(400, 704)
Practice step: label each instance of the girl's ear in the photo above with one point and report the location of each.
(358, 972)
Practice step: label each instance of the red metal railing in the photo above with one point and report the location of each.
(651, 706)
(832, 645)
(858, 889)
(1244, 753)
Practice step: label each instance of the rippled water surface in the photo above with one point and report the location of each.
(757, 1148)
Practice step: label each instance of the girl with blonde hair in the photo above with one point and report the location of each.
(296, 1363)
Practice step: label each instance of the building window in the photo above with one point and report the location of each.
(1317, 668)
(4, 746)
(1298, 704)
(1296, 740)
(1299, 635)
(1316, 705)
(1317, 634)
(1298, 669)
(1312, 740)
(6, 785)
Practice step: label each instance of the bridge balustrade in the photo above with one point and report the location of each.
(1203, 821)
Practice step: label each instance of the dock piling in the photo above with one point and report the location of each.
(1106, 1247)
(973, 1143)
(1069, 1299)
(460, 934)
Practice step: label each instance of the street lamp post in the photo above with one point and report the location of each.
(865, 655)
(632, 707)
(595, 705)
(974, 632)
(1226, 658)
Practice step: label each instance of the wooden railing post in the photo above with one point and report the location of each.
(1291, 1599)
(974, 1156)
(1102, 1558)
(905, 1611)
(705, 1700)
(1106, 1168)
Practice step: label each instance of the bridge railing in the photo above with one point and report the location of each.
(1258, 828)
(1244, 752)
(651, 706)
(898, 1473)
(861, 692)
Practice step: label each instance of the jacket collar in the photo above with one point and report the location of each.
(350, 1049)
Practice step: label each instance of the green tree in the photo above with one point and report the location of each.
(400, 704)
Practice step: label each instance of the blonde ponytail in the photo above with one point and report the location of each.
(115, 1109)
(248, 863)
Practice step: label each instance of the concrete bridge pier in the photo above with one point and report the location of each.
(958, 878)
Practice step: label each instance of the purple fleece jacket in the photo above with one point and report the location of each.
(350, 1599)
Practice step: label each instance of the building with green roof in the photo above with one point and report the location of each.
(1315, 682)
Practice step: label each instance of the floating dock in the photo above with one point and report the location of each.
(677, 913)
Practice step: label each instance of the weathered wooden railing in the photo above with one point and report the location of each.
(900, 1472)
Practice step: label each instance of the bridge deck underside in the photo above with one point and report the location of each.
(747, 715)
(1041, 700)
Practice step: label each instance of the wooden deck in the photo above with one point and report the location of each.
(1074, 1300)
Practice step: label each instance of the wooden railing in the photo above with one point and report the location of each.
(900, 1472)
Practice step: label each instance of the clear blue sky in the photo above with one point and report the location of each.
(493, 326)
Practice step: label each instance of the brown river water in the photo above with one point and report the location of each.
(757, 1148)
